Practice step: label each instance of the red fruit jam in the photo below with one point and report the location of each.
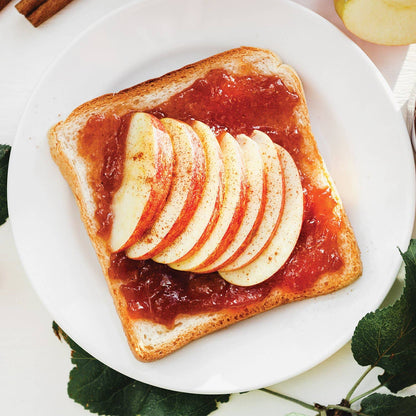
(237, 104)
(102, 145)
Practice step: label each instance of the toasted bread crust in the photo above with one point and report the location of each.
(150, 341)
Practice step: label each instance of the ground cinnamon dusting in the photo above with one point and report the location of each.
(238, 105)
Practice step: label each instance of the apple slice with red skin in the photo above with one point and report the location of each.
(256, 201)
(275, 254)
(147, 176)
(232, 209)
(275, 191)
(188, 180)
(194, 235)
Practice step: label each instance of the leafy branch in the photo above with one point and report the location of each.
(385, 339)
(104, 391)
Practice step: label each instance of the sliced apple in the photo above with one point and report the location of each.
(194, 235)
(256, 201)
(275, 190)
(231, 212)
(147, 176)
(386, 22)
(275, 254)
(188, 180)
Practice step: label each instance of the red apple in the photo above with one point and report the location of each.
(205, 216)
(188, 180)
(275, 254)
(256, 201)
(146, 180)
(231, 212)
(275, 191)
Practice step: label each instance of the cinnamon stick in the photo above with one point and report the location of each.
(38, 11)
(25, 7)
(4, 3)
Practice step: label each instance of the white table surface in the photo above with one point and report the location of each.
(34, 365)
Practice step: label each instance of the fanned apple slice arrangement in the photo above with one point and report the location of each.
(202, 203)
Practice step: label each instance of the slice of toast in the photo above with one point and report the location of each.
(150, 340)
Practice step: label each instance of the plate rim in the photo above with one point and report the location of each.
(121, 10)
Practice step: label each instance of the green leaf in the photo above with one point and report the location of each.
(4, 165)
(388, 405)
(386, 338)
(104, 391)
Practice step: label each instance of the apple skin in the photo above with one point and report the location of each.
(278, 250)
(147, 177)
(205, 217)
(188, 180)
(232, 209)
(275, 197)
(256, 202)
(384, 22)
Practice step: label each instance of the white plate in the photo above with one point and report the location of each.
(359, 131)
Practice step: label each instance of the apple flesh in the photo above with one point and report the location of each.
(256, 200)
(386, 22)
(275, 254)
(194, 235)
(275, 197)
(232, 209)
(147, 176)
(188, 179)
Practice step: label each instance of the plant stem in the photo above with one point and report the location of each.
(283, 396)
(365, 394)
(350, 393)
